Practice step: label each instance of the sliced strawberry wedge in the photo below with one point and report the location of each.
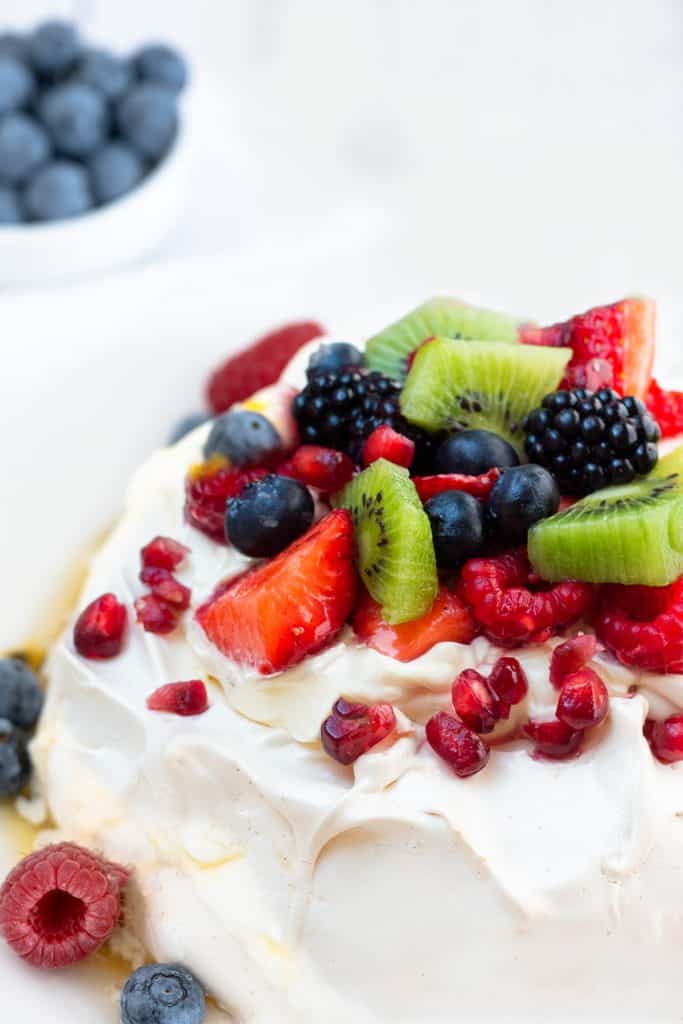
(276, 614)
(477, 486)
(613, 346)
(667, 409)
(448, 619)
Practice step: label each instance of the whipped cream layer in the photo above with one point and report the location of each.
(301, 891)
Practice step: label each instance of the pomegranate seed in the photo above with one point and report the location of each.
(464, 751)
(387, 443)
(571, 656)
(155, 615)
(666, 739)
(508, 683)
(352, 729)
(473, 701)
(554, 740)
(324, 468)
(163, 553)
(166, 587)
(185, 699)
(100, 628)
(583, 701)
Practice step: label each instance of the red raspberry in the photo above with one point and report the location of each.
(459, 746)
(208, 487)
(59, 905)
(508, 683)
(643, 626)
(554, 740)
(474, 703)
(166, 587)
(187, 698)
(163, 553)
(510, 612)
(584, 701)
(666, 739)
(667, 409)
(315, 466)
(353, 729)
(155, 615)
(387, 443)
(100, 628)
(572, 655)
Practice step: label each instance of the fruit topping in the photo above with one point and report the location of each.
(583, 701)
(571, 656)
(21, 698)
(60, 905)
(163, 553)
(162, 994)
(156, 615)
(523, 496)
(448, 620)
(459, 746)
(390, 350)
(554, 740)
(100, 628)
(268, 515)
(453, 385)
(166, 587)
(353, 729)
(508, 684)
(643, 626)
(473, 701)
(666, 739)
(394, 541)
(473, 453)
(162, 65)
(667, 409)
(501, 593)
(334, 357)
(387, 443)
(185, 698)
(273, 616)
(76, 117)
(457, 523)
(245, 438)
(324, 468)
(15, 763)
(258, 365)
(619, 338)
(53, 47)
(186, 425)
(208, 487)
(114, 170)
(478, 486)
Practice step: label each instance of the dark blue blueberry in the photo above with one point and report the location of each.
(16, 84)
(24, 146)
(162, 994)
(15, 764)
(187, 425)
(21, 698)
(10, 207)
(12, 44)
(457, 527)
(148, 119)
(268, 516)
(332, 357)
(161, 65)
(114, 171)
(105, 71)
(77, 118)
(473, 452)
(60, 189)
(54, 47)
(521, 497)
(246, 438)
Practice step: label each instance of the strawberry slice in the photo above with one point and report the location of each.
(258, 365)
(477, 486)
(276, 614)
(613, 346)
(448, 619)
(667, 409)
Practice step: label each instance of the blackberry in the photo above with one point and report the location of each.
(590, 440)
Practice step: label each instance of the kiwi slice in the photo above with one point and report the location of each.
(628, 534)
(394, 540)
(440, 317)
(453, 385)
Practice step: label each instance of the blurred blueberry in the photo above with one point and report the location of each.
(16, 84)
(76, 117)
(24, 146)
(148, 119)
(10, 209)
(21, 698)
(54, 47)
(187, 425)
(161, 65)
(106, 72)
(115, 170)
(60, 189)
(15, 763)
(12, 44)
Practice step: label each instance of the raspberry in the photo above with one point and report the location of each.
(59, 905)
(473, 701)
(207, 490)
(353, 729)
(667, 409)
(100, 628)
(166, 587)
(510, 612)
(459, 746)
(554, 740)
(643, 626)
(187, 698)
(584, 701)
(155, 615)
(571, 656)
(387, 443)
(163, 553)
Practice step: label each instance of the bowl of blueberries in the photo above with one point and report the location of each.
(93, 157)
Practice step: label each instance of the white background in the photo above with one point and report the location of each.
(349, 159)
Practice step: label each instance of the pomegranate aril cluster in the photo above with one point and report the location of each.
(159, 610)
(353, 728)
(589, 440)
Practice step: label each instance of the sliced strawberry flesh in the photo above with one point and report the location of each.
(387, 443)
(447, 620)
(478, 486)
(315, 466)
(667, 409)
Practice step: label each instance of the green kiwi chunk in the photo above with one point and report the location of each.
(631, 534)
(440, 317)
(454, 385)
(394, 541)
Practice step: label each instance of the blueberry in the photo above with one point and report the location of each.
(115, 170)
(457, 527)
(60, 189)
(15, 763)
(54, 47)
(186, 425)
(268, 515)
(161, 65)
(521, 497)
(332, 357)
(162, 994)
(12, 44)
(24, 146)
(21, 698)
(77, 118)
(246, 438)
(473, 452)
(10, 207)
(148, 119)
(16, 84)
(105, 71)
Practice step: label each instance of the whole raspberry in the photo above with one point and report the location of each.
(643, 626)
(207, 490)
(501, 593)
(59, 905)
